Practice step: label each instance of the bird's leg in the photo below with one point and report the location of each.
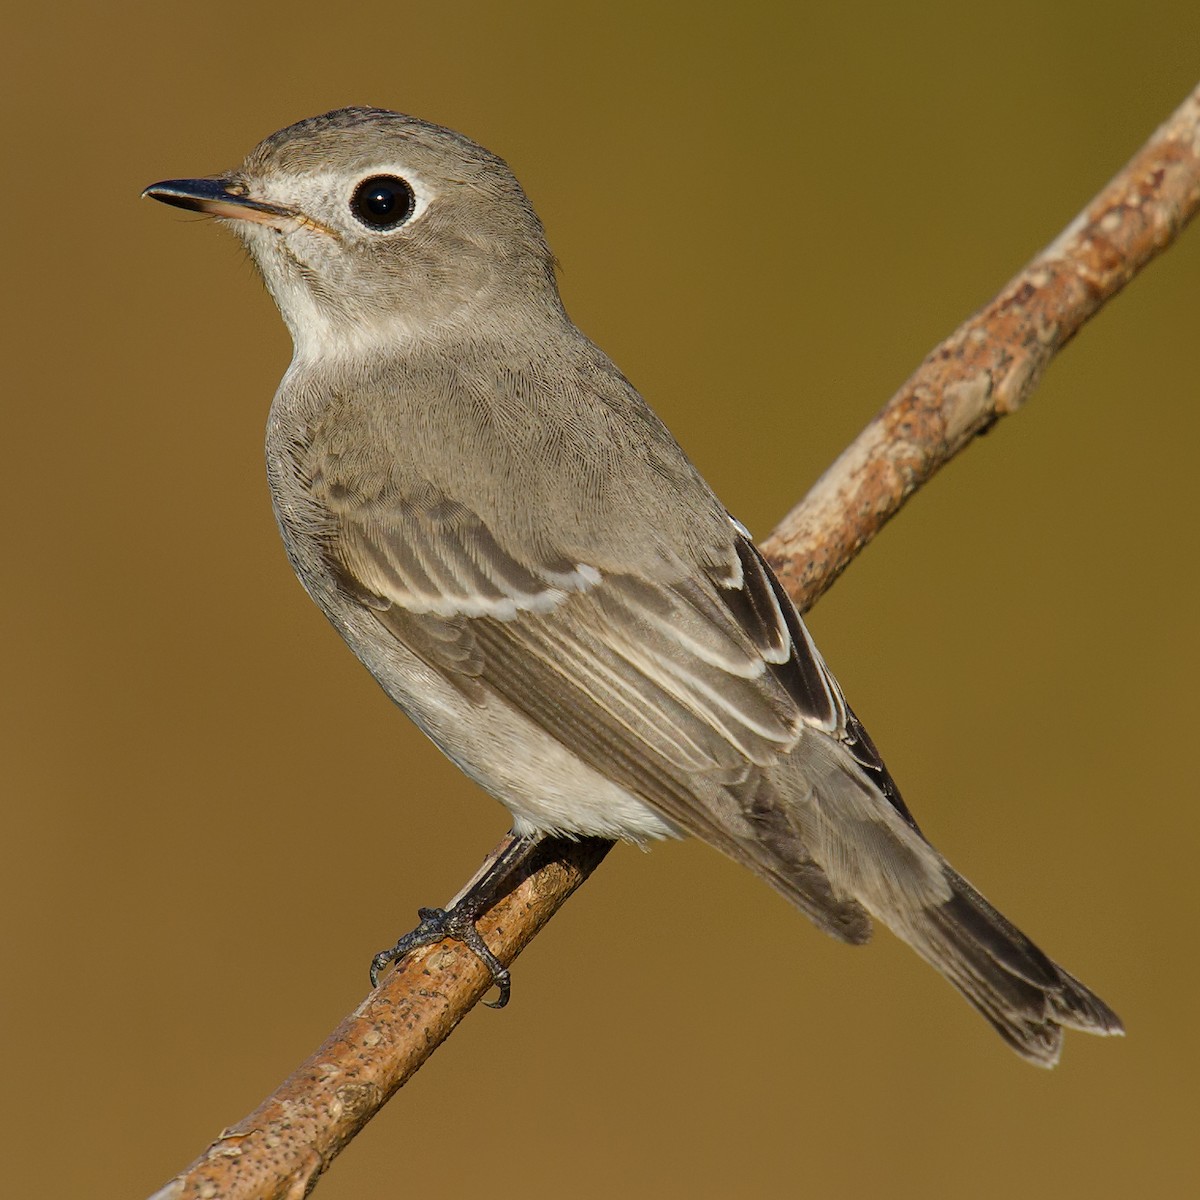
(438, 924)
(512, 861)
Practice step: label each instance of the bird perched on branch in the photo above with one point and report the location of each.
(524, 558)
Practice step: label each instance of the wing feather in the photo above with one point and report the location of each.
(683, 689)
(712, 672)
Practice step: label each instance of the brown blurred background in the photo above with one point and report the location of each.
(213, 815)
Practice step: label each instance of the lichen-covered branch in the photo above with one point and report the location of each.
(985, 370)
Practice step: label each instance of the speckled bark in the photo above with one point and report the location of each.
(989, 366)
(281, 1149)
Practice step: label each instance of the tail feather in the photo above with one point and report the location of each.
(1022, 993)
(841, 846)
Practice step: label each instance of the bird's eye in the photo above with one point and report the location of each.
(383, 201)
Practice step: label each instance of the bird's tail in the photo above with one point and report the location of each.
(1026, 997)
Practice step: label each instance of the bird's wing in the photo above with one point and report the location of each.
(661, 684)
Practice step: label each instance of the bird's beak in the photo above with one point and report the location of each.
(225, 198)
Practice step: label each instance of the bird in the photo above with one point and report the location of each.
(528, 563)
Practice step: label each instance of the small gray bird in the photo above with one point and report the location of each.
(524, 558)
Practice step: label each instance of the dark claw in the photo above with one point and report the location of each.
(515, 859)
(438, 924)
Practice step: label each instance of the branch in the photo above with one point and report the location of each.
(988, 367)
(985, 370)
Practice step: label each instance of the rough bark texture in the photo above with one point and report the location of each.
(988, 367)
(283, 1146)
(985, 370)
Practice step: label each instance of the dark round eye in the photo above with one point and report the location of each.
(383, 201)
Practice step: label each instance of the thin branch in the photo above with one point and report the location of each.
(280, 1150)
(985, 370)
(989, 366)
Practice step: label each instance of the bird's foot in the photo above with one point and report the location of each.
(439, 924)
